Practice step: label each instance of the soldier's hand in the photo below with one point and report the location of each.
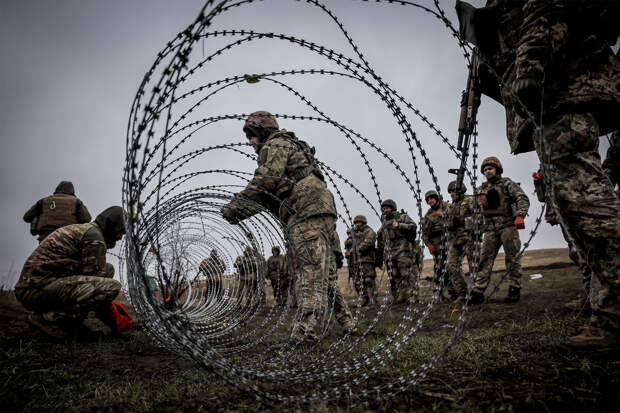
(394, 224)
(519, 222)
(230, 214)
(440, 214)
(431, 249)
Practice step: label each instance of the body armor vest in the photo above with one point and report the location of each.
(494, 201)
(58, 211)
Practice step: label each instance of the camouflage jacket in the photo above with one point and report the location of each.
(275, 267)
(459, 213)
(500, 202)
(77, 249)
(213, 265)
(433, 224)
(400, 240)
(567, 41)
(247, 265)
(337, 251)
(286, 183)
(365, 238)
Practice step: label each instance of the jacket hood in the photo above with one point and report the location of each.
(111, 221)
(65, 187)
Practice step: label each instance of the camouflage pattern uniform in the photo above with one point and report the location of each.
(213, 269)
(362, 259)
(568, 44)
(611, 164)
(56, 211)
(350, 265)
(398, 249)
(432, 231)
(276, 276)
(247, 268)
(289, 184)
(290, 282)
(334, 295)
(460, 224)
(67, 276)
(497, 198)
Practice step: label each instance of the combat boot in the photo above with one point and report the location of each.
(514, 295)
(476, 297)
(594, 338)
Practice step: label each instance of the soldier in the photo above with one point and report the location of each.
(291, 186)
(275, 274)
(432, 230)
(362, 258)
(611, 164)
(566, 45)
(213, 269)
(341, 310)
(55, 211)
(460, 224)
(504, 206)
(396, 244)
(67, 276)
(348, 243)
(247, 268)
(289, 286)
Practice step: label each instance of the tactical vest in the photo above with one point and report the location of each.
(306, 150)
(58, 211)
(494, 199)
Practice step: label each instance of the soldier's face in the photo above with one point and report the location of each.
(431, 200)
(489, 172)
(119, 236)
(357, 224)
(387, 210)
(255, 142)
(454, 196)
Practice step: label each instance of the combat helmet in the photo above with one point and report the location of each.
(260, 119)
(275, 249)
(360, 218)
(452, 188)
(494, 162)
(431, 193)
(389, 203)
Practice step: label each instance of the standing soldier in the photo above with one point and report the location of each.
(348, 245)
(341, 309)
(247, 268)
(213, 269)
(432, 230)
(504, 206)
(55, 211)
(396, 244)
(291, 186)
(289, 287)
(275, 274)
(460, 224)
(67, 276)
(562, 59)
(361, 255)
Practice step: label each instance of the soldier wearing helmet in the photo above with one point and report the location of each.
(248, 265)
(276, 275)
(504, 206)
(289, 183)
(360, 251)
(213, 268)
(398, 246)
(433, 230)
(460, 225)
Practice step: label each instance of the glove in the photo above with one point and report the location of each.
(431, 249)
(339, 261)
(519, 222)
(120, 316)
(537, 176)
(440, 214)
(230, 214)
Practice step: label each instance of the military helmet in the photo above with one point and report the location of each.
(248, 249)
(275, 249)
(494, 162)
(261, 119)
(431, 193)
(452, 187)
(389, 203)
(360, 218)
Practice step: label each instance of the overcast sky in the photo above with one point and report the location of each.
(70, 69)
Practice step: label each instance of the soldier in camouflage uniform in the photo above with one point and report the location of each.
(247, 269)
(290, 185)
(396, 244)
(432, 232)
(55, 211)
(67, 276)
(504, 206)
(460, 224)
(275, 274)
(289, 287)
(360, 251)
(611, 164)
(350, 265)
(213, 269)
(334, 295)
(566, 44)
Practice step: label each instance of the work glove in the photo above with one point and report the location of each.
(537, 176)
(230, 214)
(431, 249)
(120, 316)
(519, 222)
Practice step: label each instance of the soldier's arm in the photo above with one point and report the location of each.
(34, 211)
(348, 243)
(522, 202)
(93, 253)
(425, 230)
(82, 213)
(368, 240)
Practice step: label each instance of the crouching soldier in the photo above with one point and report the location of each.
(67, 276)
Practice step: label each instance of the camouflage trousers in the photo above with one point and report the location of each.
(247, 290)
(507, 237)
(588, 205)
(310, 242)
(364, 278)
(71, 298)
(457, 283)
(403, 278)
(334, 296)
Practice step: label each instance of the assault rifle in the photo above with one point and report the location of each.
(470, 100)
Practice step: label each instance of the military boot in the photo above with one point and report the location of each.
(349, 327)
(514, 295)
(476, 297)
(594, 338)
